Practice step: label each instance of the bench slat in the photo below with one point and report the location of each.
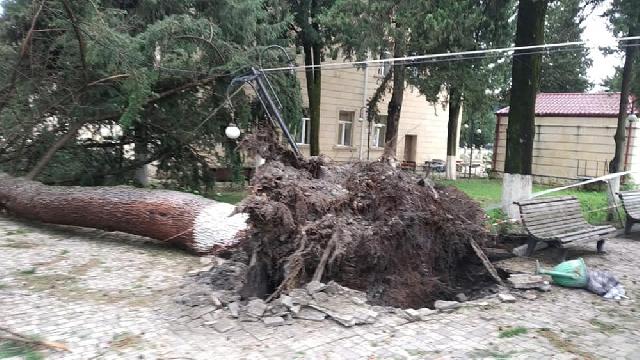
(547, 217)
(603, 230)
(572, 204)
(561, 227)
(544, 200)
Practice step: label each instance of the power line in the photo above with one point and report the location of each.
(415, 58)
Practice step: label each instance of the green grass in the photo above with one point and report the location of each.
(30, 271)
(228, 196)
(10, 349)
(511, 332)
(489, 191)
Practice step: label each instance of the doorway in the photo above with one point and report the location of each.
(410, 145)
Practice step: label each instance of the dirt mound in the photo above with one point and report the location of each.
(367, 226)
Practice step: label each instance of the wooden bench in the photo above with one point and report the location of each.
(558, 221)
(631, 204)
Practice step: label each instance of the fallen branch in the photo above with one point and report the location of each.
(15, 337)
(485, 261)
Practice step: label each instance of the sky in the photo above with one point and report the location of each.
(596, 34)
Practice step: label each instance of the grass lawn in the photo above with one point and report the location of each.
(231, 196)
(488, 192)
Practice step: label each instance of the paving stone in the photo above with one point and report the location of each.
(308, 313)
(139, 316)
(256, 307)
(506, 298)
(315, 286)
(273, 320)
(443, 305)
(234, 309)
(224, 325)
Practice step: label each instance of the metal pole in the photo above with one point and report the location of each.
(471, 144)
(276, 112)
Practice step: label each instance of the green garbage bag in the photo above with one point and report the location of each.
(572, 273)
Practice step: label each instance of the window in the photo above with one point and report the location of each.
(304, 132)
(345, 127)
(379, 131)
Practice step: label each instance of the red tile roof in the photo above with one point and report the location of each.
(575, 104)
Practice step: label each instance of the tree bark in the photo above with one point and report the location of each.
(188, 221)
(395, 105)
(455, 104)
(141, 151)
(312, 55)
(525, 83)
(617, 164)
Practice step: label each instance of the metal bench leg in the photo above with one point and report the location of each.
(628, 225)
(600, 247)
(531, 246)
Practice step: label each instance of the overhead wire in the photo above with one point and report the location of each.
(461, 55)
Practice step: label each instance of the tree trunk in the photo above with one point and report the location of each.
(521, 126)
(617, 164)
(192, 222)
(312, 55)
(141, 150)
(525, 82)
(455, 104)
(395, 106)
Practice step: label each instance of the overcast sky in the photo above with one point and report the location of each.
(597, 35)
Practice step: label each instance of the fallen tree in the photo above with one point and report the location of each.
(367, 226)
(192, 222)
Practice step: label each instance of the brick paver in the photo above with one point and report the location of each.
(112, 296)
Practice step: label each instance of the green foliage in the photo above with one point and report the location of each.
(565, 71)
(514, 331)
(13, 349)
(489, 191)
(156, 68)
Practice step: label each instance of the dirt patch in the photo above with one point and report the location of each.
(366, 225)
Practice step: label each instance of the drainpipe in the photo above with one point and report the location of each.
(363, 111)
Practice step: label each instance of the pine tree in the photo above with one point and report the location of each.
(152, 71)
(565, 71)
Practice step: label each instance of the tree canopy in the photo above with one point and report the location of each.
(119, 72)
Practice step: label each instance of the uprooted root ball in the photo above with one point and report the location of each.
(367, 226)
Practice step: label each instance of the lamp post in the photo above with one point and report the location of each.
(232, 131)
(471, 134)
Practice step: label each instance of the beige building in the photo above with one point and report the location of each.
(574, 137)
(345, 136)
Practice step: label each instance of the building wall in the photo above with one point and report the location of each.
(343, 90)
(567, 148)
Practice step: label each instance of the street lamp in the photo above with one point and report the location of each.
(232, 131)
(478, 131)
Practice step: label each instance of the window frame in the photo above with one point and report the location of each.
(342, 127)
(377, 126)
(303, 140)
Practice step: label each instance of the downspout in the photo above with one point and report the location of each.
(364, 108)
(495, 143)
(628, 148)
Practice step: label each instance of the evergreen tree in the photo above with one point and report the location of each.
(455, 26)
(145, 72)
(372, 28)
(565, 71)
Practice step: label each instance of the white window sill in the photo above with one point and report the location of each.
(344, 147)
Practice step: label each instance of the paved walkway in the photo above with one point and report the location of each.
(112, 296)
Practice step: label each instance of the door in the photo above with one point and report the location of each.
(410, 144)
